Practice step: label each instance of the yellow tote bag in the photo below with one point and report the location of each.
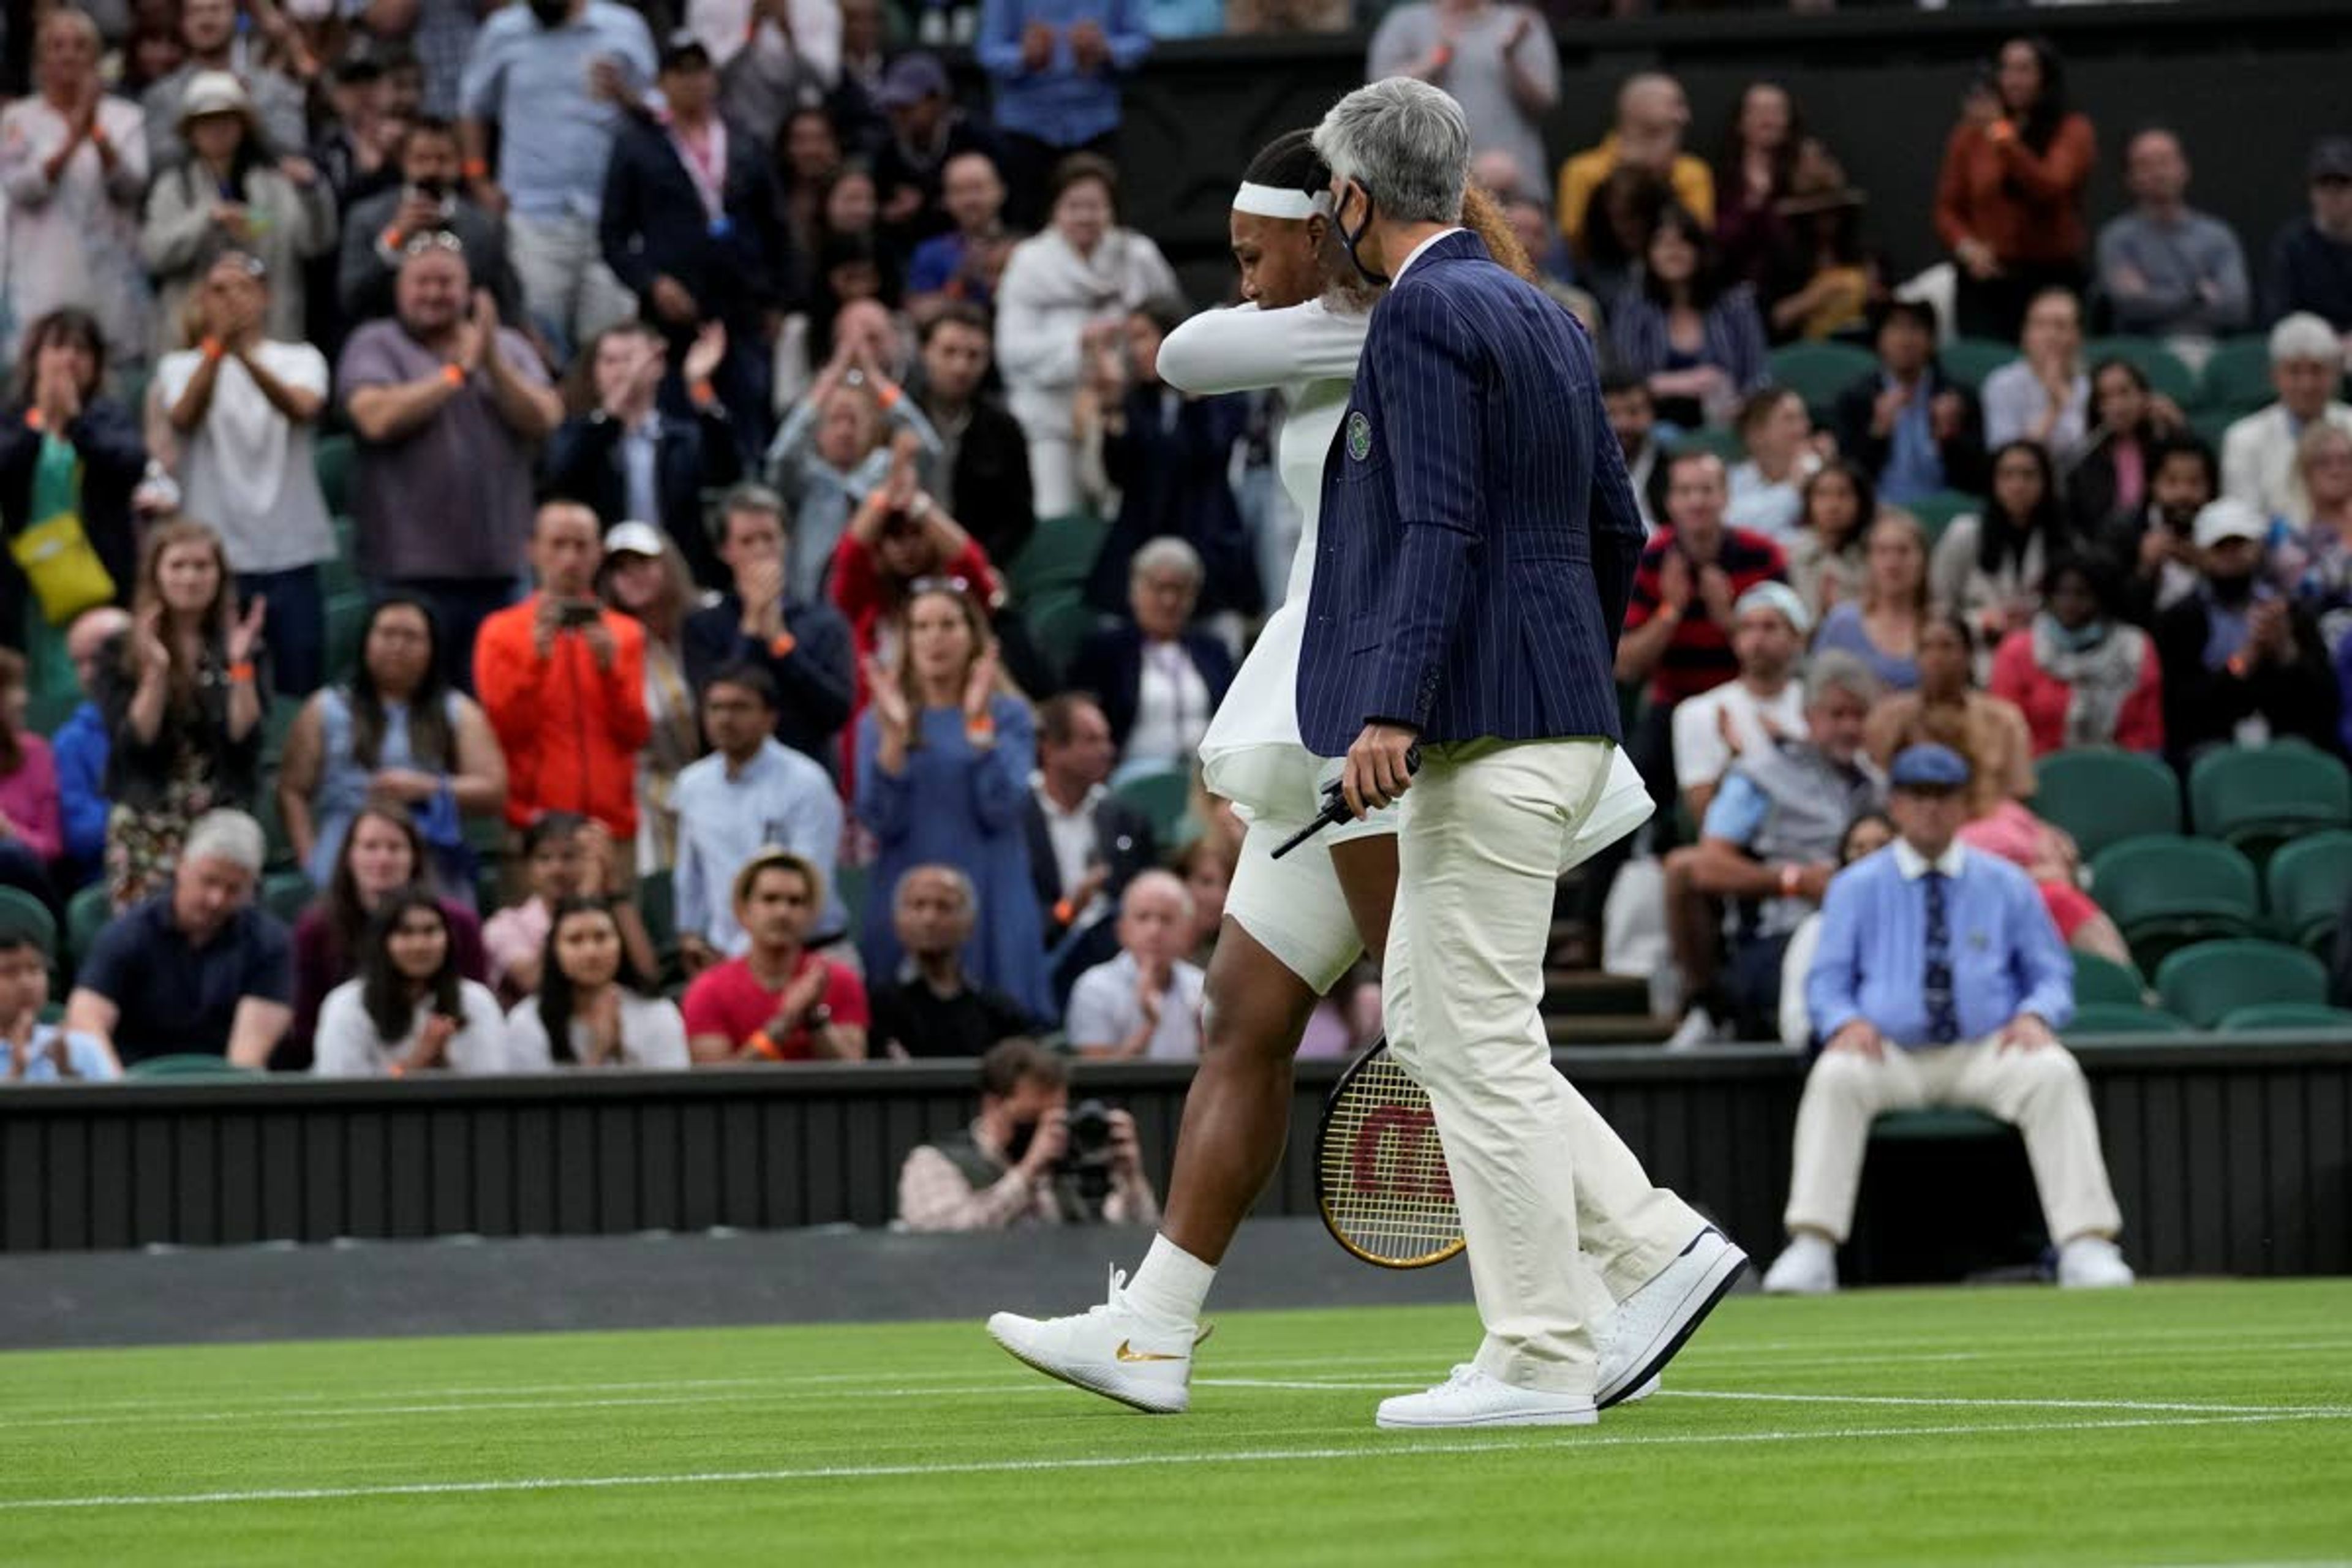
(56, 555)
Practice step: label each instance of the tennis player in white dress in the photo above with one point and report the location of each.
(1293, 927)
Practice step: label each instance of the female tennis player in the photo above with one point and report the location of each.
(1293, 926)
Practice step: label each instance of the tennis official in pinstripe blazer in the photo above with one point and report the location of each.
(1478, 541)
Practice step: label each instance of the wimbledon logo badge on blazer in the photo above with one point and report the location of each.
(1360, 436)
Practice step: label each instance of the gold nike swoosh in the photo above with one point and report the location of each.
(1130, 1354)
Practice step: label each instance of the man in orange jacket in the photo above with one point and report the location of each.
(563, 681)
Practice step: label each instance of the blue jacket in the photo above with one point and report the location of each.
(80, 747)
(1110, 664)
(1478, 534)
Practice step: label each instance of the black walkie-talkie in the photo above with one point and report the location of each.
(1335, 807)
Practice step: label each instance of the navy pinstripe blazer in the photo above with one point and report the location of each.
(1478, 534)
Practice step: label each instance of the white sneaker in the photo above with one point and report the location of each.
(1655, 1321)
(1111, 1350)
(1471, 1398)
(1807, 1267)
(1697, 1029)
(2093, 1263)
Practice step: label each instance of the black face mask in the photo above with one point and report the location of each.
(1017, 1146)
(2231, 590)
(551, 12)
(1350, 238)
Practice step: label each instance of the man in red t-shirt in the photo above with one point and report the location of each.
(779, 1002)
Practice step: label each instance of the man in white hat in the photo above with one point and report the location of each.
(2242, 662)
(198, 970)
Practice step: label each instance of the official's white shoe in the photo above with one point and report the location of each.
(1697, 1029)
(1111, 1350)
(1807, 1267)
(2093, 1263)
(1655, 1321)
(1471, 1398)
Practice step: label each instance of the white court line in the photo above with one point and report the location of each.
(1930, 1403)
(1406, 1449)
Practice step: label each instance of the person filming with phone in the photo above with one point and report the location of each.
(1030, 1157)
(562, 679)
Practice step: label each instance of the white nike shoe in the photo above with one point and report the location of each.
(2093, 1263)
(1655, 1321)
(1111, 1350)
(1471, 1398)
(1806, 1267)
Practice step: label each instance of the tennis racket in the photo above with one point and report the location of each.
(1380, 1171)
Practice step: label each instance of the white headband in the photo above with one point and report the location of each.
(1273, 201)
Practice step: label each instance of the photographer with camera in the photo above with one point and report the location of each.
(562, 679)
(1030, 1157)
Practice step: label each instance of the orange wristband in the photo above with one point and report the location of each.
(35, 420)
(390, 238)
(1062, 913)
(761, 1046)
(2238, 666)
(96, 137)
(241, 672)
(703, 393)
(890, 395)
(399, 1069)
(454, 374)
(476, 168)
(982, 728)
(213, 348)
(782, 646)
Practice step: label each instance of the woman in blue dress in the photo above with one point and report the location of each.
(944, 751)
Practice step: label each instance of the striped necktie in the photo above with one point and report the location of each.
(1935, 983)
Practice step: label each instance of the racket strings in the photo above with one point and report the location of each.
(1385, 1189)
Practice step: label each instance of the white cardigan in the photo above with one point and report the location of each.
(1049, 296)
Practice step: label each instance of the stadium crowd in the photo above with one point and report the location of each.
(543, 538)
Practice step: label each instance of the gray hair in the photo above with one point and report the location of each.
(1835, 669)
(752, 497)
(1156, 882)
(2303, 336)
(1167, 553)
(1405, 141)
(952, 874)
(227, 834)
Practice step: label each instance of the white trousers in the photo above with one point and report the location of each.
(2041, 1092)
(1536, 1170)
(565, 283)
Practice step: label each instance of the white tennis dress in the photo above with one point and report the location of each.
(1252, 755)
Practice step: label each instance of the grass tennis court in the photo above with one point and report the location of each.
(2172, 1424)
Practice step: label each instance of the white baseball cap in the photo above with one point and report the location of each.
(2230, 517)
(634, 539)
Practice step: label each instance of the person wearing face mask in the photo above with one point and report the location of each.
(2240, 661)
(429, 199)
(2081, 676)
(1004, 1170)
(2159, 539)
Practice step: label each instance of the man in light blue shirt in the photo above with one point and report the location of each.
(1056, 65)
(752, 792)
(1940, 980)
(555, 76)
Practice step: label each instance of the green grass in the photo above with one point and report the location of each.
(2173, 1424)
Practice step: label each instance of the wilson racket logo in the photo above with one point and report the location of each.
(1397, 1152)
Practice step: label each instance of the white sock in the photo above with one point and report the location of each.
(1170, 1284)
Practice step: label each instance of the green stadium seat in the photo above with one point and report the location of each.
(2286, 1015)
(1818, 372)
(286, 894)
(21, 914)
(2306, 882)
(191, 1067)
(2237, 379)
(1058, 621)
(1060, 554)
(45, 712)
(1936, 511)
(2257, 796)
(2103, 980)
(2165, 892)
(2165, 372)
(334, 458)
(1940, 1124)
(2206, 983)
(339, 576)
(853, 884)
(1162, 795)
(86, 913)
(346, 624)
(1970, 360)
(2211, 426)
(2124, 1018)
(2102, 795)
(1723, 444)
